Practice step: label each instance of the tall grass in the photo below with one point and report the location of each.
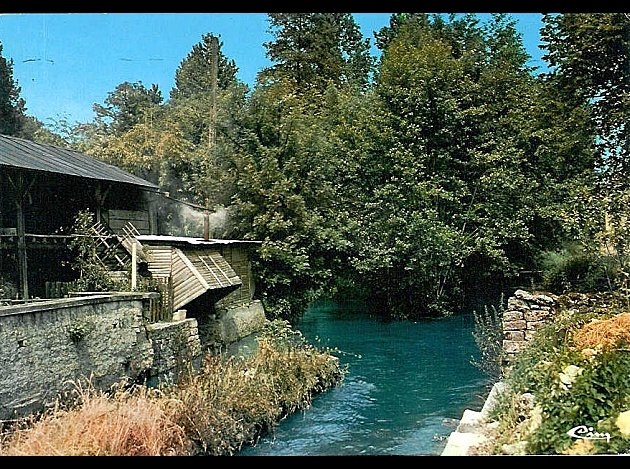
(229, 402)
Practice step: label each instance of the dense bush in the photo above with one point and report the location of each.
(574, 269)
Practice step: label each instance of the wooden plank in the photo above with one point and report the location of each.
(209, 269)
(159, 260)
(128, 215)
(192, 268)
(216, 264)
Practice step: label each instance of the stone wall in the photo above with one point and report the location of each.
(47, 346)
(525, 313)
(175, 345)
(231, 324)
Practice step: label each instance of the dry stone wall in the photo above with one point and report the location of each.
(47, 346)
(175, 345)
(524, 315)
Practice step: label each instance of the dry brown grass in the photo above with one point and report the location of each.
(228, 403)
(232, 402)
(132, 422)
(604, 333)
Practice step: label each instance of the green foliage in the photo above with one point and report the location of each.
(450, 166)
(126, 106)
(93, 275)
(588, 85)
(79, 329)
(317, 50)
(488, 335)
(575, 269)
(8, 290)
(12, 106)
(193, 77)
(444, 183)
(589, 55)
(572, 386)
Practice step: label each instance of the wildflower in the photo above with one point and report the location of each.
(568, 375)
(623, 423)
(589, 353)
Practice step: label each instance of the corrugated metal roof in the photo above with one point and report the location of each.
(21, 153)
(184, 240)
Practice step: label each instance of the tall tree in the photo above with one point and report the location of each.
(316, 49)
(126, 106)
(589, 58)
(194, 77)
(12, 106)
(287, 160)
(446, 189)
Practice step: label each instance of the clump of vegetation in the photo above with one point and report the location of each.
(488, 335)
(229, 402)
(8, 291)
(576, 269)
(93, 274)
(577, 373)
(79, 329)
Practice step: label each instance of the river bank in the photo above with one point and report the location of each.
(475, 431)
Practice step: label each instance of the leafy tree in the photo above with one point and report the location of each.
(445, 194)
(12, 106)
(194, 75)
(288, 160)
(315, 49)
(127, 105)
(156, 154)
(589, 57)
(274, 199)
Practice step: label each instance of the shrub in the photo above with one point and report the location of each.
(578, 370)
(488, 335)
(578, 270)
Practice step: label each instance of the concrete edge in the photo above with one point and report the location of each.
(470, 430)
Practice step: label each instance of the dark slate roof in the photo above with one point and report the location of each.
(24, 154)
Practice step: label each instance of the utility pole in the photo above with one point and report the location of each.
(214, 72)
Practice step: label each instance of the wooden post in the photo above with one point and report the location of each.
(134, 265)
(22, 260)
(21, 191)
(206, 225)
(99, 196)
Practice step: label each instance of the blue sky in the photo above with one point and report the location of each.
(66, 62)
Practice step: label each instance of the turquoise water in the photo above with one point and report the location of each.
(407, 386)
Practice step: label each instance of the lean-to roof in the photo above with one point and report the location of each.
(24, 154)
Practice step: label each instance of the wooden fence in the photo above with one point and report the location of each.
(160, 307)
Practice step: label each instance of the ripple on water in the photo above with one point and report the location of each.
(407, 383)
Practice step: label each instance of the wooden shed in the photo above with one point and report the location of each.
(193, 267)
(42, 189)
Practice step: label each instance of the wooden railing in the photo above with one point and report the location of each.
(158, 309)
(161, 308)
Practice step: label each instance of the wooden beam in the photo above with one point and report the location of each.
(22, 189)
